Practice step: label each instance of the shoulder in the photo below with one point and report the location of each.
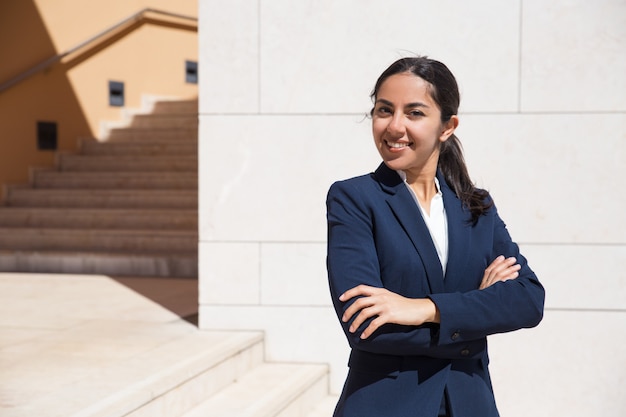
(355, 183)
(383, 179)
(358, 193)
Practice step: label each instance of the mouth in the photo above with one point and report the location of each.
(397, 145)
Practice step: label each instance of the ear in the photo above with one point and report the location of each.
(448, 128)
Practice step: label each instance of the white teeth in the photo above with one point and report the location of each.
(396, 145)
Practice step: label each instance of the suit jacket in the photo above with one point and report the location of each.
(377, 237)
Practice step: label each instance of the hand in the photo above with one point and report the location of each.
(501, 269)
(386, 307)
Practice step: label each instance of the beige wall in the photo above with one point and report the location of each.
(543, 123)
(148, 57)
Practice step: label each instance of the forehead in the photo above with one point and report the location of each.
(405, 88)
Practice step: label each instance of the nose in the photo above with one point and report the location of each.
(396, 126)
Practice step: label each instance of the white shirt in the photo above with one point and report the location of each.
(437, 222)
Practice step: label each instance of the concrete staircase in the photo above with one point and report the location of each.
(93, 346)
(200, 374)
(126, 206)
(217, 374)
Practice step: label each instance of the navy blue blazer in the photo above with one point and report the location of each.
(377, 237)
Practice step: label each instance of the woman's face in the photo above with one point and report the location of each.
(407, 127)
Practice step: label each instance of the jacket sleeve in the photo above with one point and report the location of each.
(352, 260)
(502, 307)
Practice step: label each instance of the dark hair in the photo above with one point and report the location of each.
(445, 91)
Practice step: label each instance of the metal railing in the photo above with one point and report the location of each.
(129, 21)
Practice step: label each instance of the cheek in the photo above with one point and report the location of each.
(378, 128)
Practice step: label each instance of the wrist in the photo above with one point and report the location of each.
(433, 312)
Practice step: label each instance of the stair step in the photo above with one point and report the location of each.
(166, 241)
(149, 199)
(176, 107)
(70, 162)
(123, 370)
(141, 148)
(134, 180)
(72, 218)
(100, 263)
(269, 390)
(134, 134)
(165, 121)
(126, 205)
(325, 407)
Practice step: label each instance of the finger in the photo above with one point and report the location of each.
(490, 275)
(505, 272)
(362, 316)
(356, 291)
(359, 311)
(373, 326)
(494, 263)
(490, 271)
(511, 273)
(501, 267)
(501, 274)
(355, 307)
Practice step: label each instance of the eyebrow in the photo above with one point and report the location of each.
(410, 105)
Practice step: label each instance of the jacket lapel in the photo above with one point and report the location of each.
(459, 234)
(408, 215)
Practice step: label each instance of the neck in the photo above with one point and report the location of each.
(423, 185)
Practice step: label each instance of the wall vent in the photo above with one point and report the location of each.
(116, 93)
(47, 136)
(191, 72)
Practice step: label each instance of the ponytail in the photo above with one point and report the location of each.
(454, 170)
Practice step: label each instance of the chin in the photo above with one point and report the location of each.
(395, 164)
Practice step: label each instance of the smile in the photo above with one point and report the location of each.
(397, 145)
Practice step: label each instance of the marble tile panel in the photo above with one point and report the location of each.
(292, 334)
(556, 178)
(294, 274)
(229, 273)
(573, 364)
(573, 55)
(228, 34)
(580, 276)
(325, 56)
(270, 184)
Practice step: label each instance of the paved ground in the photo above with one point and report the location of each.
(57, 331)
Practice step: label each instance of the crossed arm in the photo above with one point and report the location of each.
(376, 318)
(385, 306)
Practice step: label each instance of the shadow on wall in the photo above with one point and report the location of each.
(178, 295)
(47, 96)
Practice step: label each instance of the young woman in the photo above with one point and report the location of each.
(420, 265)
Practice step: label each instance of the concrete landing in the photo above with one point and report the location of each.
(65, 340)
(97, 346)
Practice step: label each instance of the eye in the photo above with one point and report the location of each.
(383, 110)
(415, 113)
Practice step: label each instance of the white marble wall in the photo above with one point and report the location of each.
(284, 87)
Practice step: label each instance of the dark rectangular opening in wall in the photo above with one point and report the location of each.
(116, 93)
(191, 72)
(47, 136)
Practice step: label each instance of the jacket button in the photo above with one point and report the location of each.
(465, 352)
(455, 335)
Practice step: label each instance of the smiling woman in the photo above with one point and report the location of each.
(408, 131)
(421, 267)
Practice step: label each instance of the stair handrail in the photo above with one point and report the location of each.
(135, 17)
